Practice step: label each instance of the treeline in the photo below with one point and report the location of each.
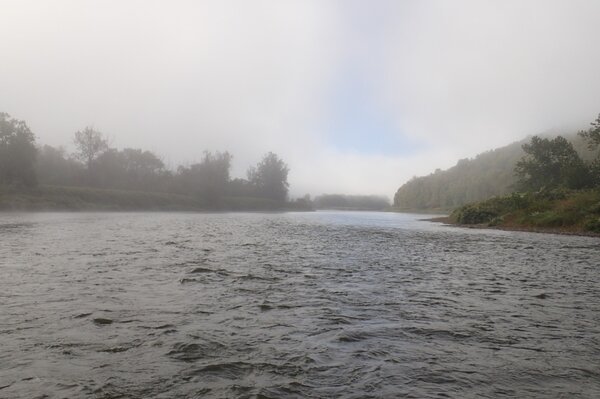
(487, 175)
(351, 202)
(556, 188)
(549, 164)
(25, 164)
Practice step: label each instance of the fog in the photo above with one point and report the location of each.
(356, 97)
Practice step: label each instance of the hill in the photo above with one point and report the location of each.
(486, 175)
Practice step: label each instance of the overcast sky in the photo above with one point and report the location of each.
(356, 96)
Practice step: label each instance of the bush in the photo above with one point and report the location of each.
(592, 224)
(473, 214)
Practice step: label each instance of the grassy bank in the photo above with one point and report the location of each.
(83, 198)
(553, 211)
(56, 198)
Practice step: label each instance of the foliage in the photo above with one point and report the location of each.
(17, 152)
(570, 210)
(487, 175)
(551, 163)
(491, 209)
(592, 138)
(592, 135)
(301, 204)
(269, 178)
(90, 144)
(593, 224)
(129, 169)
(54, 167)
(126, 176)
(208, 179)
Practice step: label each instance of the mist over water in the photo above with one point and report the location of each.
(325, 304)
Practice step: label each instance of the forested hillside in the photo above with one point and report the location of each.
(488, 174)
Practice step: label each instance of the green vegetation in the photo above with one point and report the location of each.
(59, 198)
(551, 163)
(488, 174)
(17, 153)
(269, 178)
(484, 176)
(559, 190)
(85, 198)
(565, 210)
(99, 177)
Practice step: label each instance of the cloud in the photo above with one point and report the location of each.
(178, 78)
(463, 74)
(356, 97)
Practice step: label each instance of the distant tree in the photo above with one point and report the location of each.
(240, 188)
(90, 144)
(304, 203)
(269, 178)
(129, 169)
(17, 152)
(142, 163)
(592, 135)
(54, 167)
(208, 179)
(488, 174)
(551, 163)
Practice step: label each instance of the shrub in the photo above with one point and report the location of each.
(592, 224)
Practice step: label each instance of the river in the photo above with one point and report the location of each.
(306, 305)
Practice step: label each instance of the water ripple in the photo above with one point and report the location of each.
(336, 305)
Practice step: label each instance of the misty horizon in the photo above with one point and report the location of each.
(357, 99)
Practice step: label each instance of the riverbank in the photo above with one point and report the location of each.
(556, 212)
(59, 198)
(561, 231)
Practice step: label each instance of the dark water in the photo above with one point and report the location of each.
(321, 305)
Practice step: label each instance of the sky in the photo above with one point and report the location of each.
(356, 96)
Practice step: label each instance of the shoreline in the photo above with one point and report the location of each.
(445, 220)
(89, 199)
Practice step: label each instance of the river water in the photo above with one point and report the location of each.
(317, 305)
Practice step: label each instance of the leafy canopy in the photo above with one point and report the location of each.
(17, 152)
(269, 177)
(90, 144)
(592, 135)
(551, 163)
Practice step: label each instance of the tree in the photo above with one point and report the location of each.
(269, 178)
(90, 144)
(54, 167)
(17, 152)
(128, 169)
(551, 163)
(208, 179)
(592, 135)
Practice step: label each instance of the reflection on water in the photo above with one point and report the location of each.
(334, 304)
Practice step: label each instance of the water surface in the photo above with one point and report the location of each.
(325, 304)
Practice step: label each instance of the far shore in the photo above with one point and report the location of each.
(86, 199)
